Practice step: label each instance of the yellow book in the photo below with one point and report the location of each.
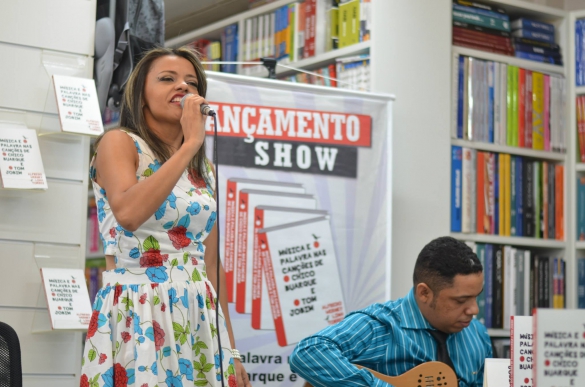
(507, 196)
(537, 111)
(349, 23)
(501, 194)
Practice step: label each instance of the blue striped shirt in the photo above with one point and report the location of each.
(390, 338)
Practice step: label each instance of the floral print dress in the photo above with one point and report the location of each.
(154, 321)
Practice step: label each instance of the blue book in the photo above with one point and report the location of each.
(456, 187)
(580, 209)
(579, 63)
(534, 35)
(532, 25)
(460, 93)
(482, 12)
(491, 80)
(538, 57)
(488, 287)
(581, 283)
(537, 50)
(480, 247)
(519, 196)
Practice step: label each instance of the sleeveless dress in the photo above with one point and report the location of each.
(154, 321)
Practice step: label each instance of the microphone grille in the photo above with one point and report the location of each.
(183, 100)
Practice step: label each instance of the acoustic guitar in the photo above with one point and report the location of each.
(431, 374)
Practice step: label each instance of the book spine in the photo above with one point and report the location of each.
(483, 21)
(546, 113)
(538, 43)
(482, 12)
(456, 188)
(536, 50)
(545, 200)
(508, 194)
(477, 36)
(528, 110)
(481, 250)
(502, 193)
(513, 193)
(481, 193)
(468, 43)
(509, 103)
(581, 208)
(559, 202)
(581, 283)
(534, 35)
(468, 170)
(503, 103)
(484, 30)
(515, 94)
(490, 68)
(537, 199)
(579, 63)
(470, 3)
(532, 25)
(529, 199)
(551, 201)
(519, 196)
(537, 57)
(498, 288)
(497, 102)
(489, 285)
(496, 194)
(521, 106)
(458, 132)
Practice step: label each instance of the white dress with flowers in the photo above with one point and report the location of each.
(154, 321)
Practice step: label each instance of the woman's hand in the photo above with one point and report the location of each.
(192, 121)
(241, 374)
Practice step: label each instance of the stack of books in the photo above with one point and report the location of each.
(535, 40)
(516, 281)
(506, 195)
(324, 76)
(481, 27)
(209, 51)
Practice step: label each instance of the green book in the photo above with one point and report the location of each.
(480, 20)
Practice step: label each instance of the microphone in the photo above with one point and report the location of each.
(205, 109)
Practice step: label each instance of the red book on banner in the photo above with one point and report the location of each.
(559, 202)
(482, 205)
(528, 109)
(315, 299)
(234, 186)
(265, 217)
(249, 199)
(522, 107)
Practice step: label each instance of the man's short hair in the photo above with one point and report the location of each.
(441, 260)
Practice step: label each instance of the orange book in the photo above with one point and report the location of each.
(544, 200)
(521, 107)
(559, 202)
(482, 186)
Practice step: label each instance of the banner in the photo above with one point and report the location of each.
(304, 211)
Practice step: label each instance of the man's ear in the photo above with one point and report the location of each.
(423, 293)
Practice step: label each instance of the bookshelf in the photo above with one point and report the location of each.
(213, 32)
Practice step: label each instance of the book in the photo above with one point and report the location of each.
(456, 188)
(481, 11)
(521, 356)
(528, 109)
(248, 200)
(265, 217)
(496, 373)
(313, 301)
(487, 30)
(349, 23)
(521, 107)
(480, 5)
(581, 283)
(67, 298)
(468, 209)
(489, 285)
(232, 203)
(480, 20)
(538, 58)
(527, 48)
(534, 35)
(534, 25)
(21, 164)
(558, 340)
(480, 250)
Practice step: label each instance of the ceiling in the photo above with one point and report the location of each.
(182, 16)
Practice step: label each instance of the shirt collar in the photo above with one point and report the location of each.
(410, 314)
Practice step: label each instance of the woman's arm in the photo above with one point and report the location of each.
(211, 262)
(132, 201)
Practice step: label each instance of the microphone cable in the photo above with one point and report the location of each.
(218, 272)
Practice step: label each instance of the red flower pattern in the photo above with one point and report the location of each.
(117, 293)
(232, 381)
(198, 182)
(159, 335)
(120, 376)
(93, 324)
(210, 295)
(126, 336)
(103, 358)
(163, 307)
(84, 381)
(142, 299)
(178, 235)
(113, 232)
(152, 258)
(128, 322)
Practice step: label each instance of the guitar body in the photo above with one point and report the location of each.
(431, 374)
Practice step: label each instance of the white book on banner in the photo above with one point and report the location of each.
(248, 200)
(77, 102)
(266, 217)
(230, 237)
(496, 373)
(521, 350)
(315, 299)
(21, 165)
(559, 342)
(67, 298)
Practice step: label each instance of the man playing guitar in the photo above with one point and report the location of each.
(393, 337)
